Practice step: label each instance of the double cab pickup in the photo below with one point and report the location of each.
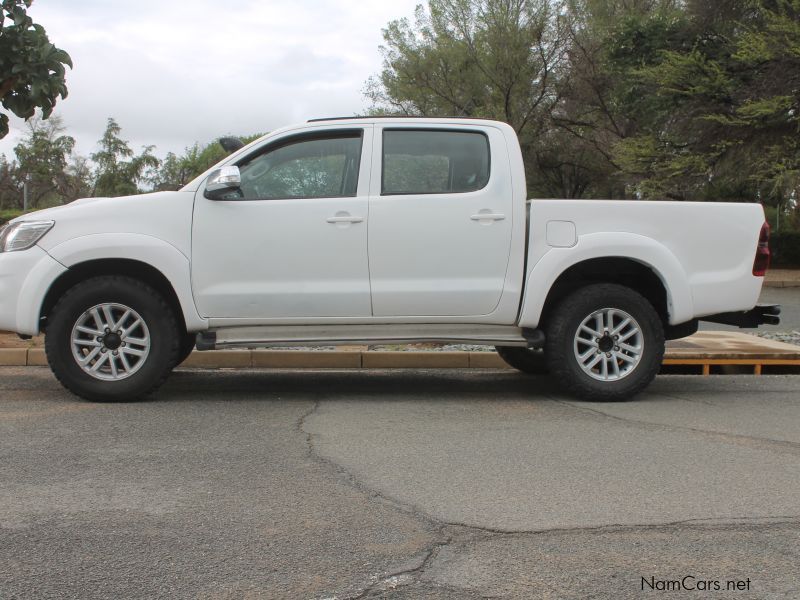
(377, 230)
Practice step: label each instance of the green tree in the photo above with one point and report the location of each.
(119, 171)
(78, 179)
(42, 158)
(172, 173)
(724, 123)
(600, 103)
(176, 171)
(683, 99)
(10, 191)
(498, 59)
(31, 67)
(766, 115)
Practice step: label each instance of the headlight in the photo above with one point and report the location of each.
(22, 234)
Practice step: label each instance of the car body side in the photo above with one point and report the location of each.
(702, 253)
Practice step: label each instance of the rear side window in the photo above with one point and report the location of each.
(418, 161)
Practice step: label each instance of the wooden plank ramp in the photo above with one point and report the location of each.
(731, 352)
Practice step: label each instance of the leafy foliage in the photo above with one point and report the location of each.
(497, 59)
(7, 215)
(9, 185)
(728, 128)
(785, 248)
(682, 99)
(119, 170)
(32, 69)
(56, 174)
(43, 156)
(706, 96)
(176, 171)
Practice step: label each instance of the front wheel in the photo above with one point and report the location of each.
(112, 338)
(605, 343)
(186, 347)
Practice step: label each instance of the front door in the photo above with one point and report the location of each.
(440, 221)
(294, 243)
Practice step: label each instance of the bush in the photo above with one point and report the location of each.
(785, 248)
(7, 215)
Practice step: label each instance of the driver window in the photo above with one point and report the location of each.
(318, 167)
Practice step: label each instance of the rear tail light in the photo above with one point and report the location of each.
(761, 263)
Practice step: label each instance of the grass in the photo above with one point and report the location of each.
(7, 215)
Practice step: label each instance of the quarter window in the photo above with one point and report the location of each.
(419, 161)
(318, 167)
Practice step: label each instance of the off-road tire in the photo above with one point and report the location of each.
(527, 360)
(186, 347)
(563, 324)
(153, 309)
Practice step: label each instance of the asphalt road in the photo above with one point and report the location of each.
(404, 484)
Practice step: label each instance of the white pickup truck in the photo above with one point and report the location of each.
(376, 230)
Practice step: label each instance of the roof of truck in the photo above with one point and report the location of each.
(378, 117)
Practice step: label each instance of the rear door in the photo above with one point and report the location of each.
(440, 220)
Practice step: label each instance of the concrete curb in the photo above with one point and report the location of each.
(13, 357)
(293, 359)
(782, 284)
(37, 357)
(706, 348)
(277, 359)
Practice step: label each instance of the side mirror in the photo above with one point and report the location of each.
(222, 181)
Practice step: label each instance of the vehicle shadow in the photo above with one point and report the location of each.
(405, 384)
(434, 385)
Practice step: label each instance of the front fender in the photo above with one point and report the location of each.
(170, 261)
(544, 273)
(25, 277)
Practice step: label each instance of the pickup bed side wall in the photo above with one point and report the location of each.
(702, 252)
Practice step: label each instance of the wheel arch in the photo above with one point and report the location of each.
(135, 269)
(633, 260)
(625, 271)
(150, 259)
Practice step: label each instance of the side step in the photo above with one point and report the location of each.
(333, 335)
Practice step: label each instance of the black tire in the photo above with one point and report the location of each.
(153, 310)
(564, 323)
(527, 360)
(186, 347)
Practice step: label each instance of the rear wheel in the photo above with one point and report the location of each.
(605, 342)
(527, 360)
(112, 338)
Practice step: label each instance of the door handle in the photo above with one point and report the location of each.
(488, 216)
(344, 219)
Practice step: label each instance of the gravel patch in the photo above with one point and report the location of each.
(788, 337)
(432, 348)
(392, 348)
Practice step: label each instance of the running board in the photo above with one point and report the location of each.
(333, 335)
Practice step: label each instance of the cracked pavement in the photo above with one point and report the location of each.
(397, 484)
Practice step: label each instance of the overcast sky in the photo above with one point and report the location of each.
(173, 72)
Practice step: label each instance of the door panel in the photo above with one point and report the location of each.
(443, 253)
(291, 256)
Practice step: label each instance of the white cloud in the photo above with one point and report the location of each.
(173, 72)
